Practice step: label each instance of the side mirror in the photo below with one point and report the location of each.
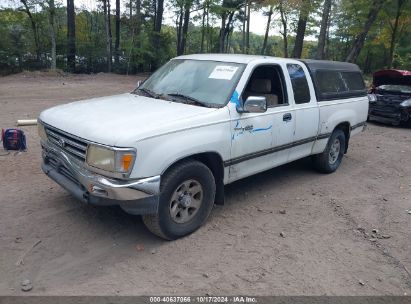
(255, 104)
(139, 83)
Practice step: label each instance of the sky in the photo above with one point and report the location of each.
(257, 19)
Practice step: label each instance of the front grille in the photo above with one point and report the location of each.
(74, 146)
(53, 162)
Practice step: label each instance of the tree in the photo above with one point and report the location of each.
(71, 36)
(33, 28)
(16, 35)
(182, 23)
(267, 29)
(302, 25)
(187, 8)
(158, 20)
(358, 44)
(203, 20)
(284, 11)
(52, 17)
(117, 42)
(247, 33)
(49, 6)
(400, 4)
(323, 30)
(226, 12)
(107, 17)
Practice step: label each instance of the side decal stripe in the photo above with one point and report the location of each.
(246, 157)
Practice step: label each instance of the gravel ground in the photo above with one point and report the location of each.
(327, 245)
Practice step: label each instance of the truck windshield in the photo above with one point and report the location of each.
(199, 82)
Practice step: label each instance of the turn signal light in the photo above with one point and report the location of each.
(126, 161)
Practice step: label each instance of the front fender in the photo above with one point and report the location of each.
(155, 155)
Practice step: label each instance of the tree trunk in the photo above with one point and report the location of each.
(221, 38)
(159, 16)
(203, 29)
(244, 25)
(285, 28)
(247, 34)
(106, 8)
(157, 30)
(186, 22)
(179, 28)
(71, 37)
(138, 22)
(227, 30)
(209, 36)
(367, 64)
(33, 28)
(327, 40)
(323, 31)
(52, 20)
(360, 39)
(301, 27)
(117, 42)
(267, 30)
(394, 32)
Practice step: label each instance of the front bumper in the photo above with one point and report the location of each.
(389, 115)
(135, 196)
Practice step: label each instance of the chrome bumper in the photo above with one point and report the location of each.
(138, 196)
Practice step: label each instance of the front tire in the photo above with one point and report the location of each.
(331, 158)
(186, 199)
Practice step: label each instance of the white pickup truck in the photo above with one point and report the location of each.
(166, 150)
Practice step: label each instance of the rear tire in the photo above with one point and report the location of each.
(330, 159)
(186, 199)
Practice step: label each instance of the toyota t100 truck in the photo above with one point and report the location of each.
(166, 150)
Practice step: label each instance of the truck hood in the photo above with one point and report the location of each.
(385, 77)
(123, 119)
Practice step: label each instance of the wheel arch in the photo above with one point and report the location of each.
(214, 162)
(346, 128)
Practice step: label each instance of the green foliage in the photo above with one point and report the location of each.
(18, 49)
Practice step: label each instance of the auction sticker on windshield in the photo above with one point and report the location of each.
(223, 72)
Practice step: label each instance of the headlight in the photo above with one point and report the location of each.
(42, 131)
(406, 103)
(114, 160)
(372, 97)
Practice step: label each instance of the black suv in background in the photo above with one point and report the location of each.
(390, 97)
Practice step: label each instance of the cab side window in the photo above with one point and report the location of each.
(299, 83)
(267, 81)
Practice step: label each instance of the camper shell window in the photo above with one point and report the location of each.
(336, 80)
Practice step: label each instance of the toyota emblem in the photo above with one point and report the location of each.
(62, 142)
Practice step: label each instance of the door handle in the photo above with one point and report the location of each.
(287, 117)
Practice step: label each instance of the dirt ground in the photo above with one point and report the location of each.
(67, 248)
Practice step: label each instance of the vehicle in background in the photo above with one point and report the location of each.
(166, 150)
(390, 97)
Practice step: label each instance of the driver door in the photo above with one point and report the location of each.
(260, 141)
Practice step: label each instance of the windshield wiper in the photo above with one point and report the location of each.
(149, 92)
(189, 99)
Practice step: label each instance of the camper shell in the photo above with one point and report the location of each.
(336, 80)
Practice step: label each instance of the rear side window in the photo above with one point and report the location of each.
(330, 82)
(336, 80)
(353, 81)
(299, 83)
